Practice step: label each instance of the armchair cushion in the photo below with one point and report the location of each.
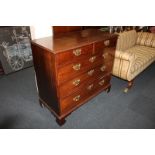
(126, 40)
(144, 56)
(146, 39)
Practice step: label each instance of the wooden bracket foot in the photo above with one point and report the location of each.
(108, 89)
(60, 121)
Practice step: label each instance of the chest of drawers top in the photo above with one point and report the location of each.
(72, 40)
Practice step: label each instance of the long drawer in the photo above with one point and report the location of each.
(90, 88)
(73, 69)
(77, 83)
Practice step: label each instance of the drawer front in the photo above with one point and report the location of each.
(74, 54)
(113, 42)
(102, 82)
(110, 42)
(74, 69)
(99, 47)
(86, 91)
(77, 83)
(108, 56)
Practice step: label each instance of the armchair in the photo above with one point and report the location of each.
(134, 53)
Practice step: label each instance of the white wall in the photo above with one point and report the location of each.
(41, 31)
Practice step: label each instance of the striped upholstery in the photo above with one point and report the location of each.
(123, 63)
(146, 39)
(132, 60)
(126, 40)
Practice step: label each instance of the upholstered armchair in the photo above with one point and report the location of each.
(134, 53)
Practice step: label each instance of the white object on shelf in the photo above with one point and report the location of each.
(40, 31)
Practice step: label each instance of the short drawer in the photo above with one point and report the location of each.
(74, 54)
(113, 42)
(99, 47)
(110, 42)
(108, 56)
(73, 69)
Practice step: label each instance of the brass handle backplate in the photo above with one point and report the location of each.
(76, 98)
(77, 52)
(92, 59)
(91, 72)
(76, 82)
(90, 87)
(77, 67)
(101, 82)
(103, 68)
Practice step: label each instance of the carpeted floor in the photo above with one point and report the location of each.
(19, 106)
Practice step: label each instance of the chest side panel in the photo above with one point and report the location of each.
(44, 64)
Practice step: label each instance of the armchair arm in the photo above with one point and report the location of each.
(123, 64)
(125, 55)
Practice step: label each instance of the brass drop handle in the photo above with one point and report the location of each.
(107, 42)
(91, 72)
(76, 98)
(101, 82)
(90, 87)
(77, 52)
(103, 68)
(76, 82)
(77, 67)
(92, 59)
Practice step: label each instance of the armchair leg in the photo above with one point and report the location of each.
(130, 84)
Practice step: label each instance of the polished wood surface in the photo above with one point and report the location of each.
(60, 30)
(72, 40)
(86, 90)
(45, 74)
(85, 51)
(72, 69)
(76, 83)
(68, 71)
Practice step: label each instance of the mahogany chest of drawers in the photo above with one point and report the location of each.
(72, 68)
